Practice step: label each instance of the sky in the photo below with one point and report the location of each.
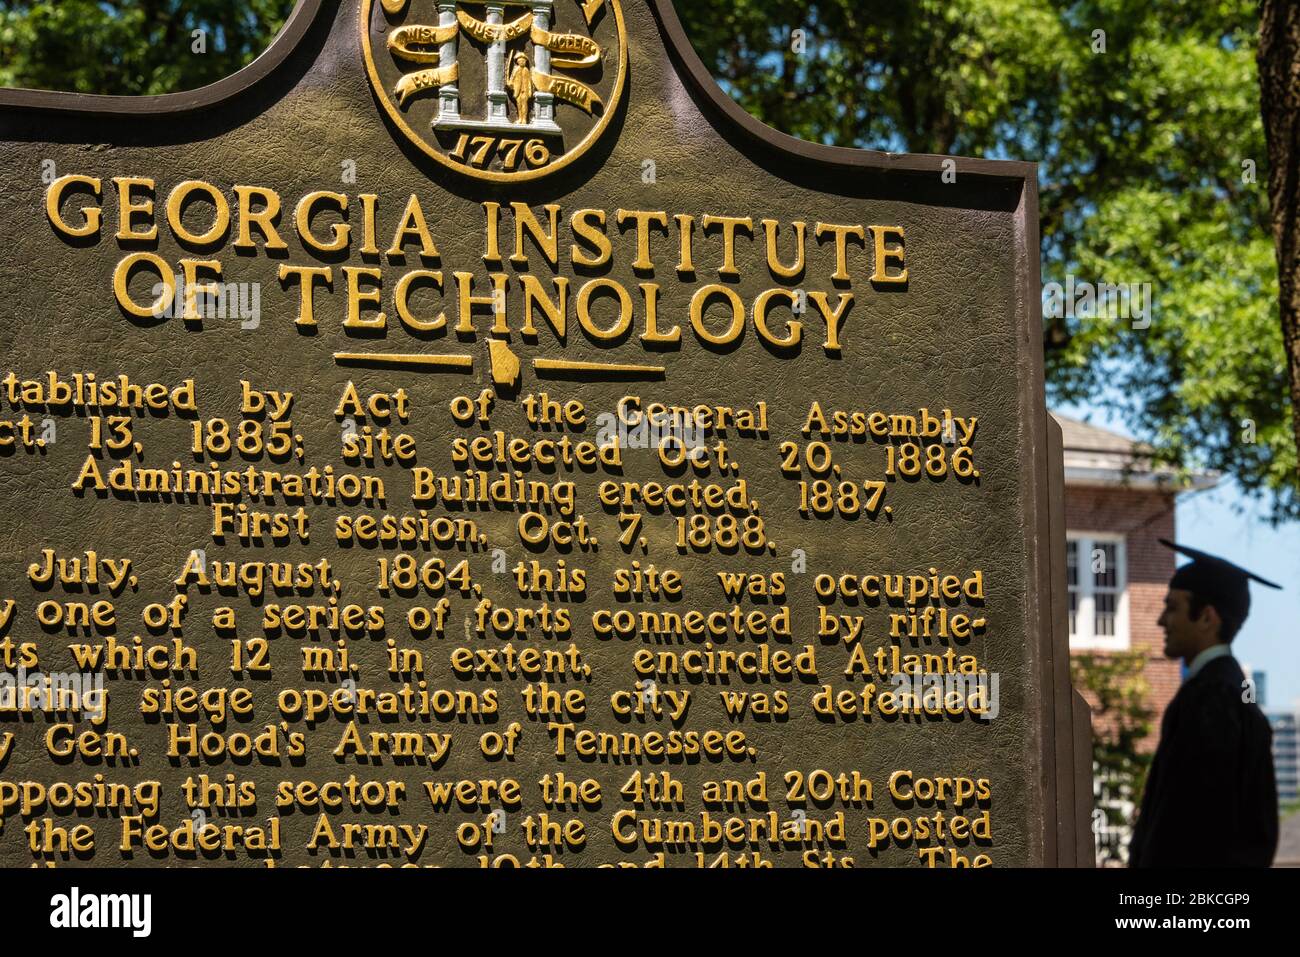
(1225, 522)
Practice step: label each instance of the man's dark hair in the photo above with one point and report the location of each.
(1229, 625)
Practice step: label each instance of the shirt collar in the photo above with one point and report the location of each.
(1220, 650)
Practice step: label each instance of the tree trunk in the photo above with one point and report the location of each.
(1279, 83)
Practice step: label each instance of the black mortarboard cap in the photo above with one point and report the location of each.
(1217, 582)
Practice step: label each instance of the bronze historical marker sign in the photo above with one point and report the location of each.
(465, 438)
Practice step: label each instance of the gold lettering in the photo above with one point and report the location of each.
(686, 233)
(127, 209)
(357, 297)
(176, 208)
(54, 202)
(413, 224)
(650, 291)
(555, 313)
(547, 243)
(794, 328)
(887, 254)
(306, 276)
(699, 304)
(497, 300)
(841, 234)
(264, 218)
(402, 302)
(729, 225)
(190, 271)
(368, 203)
(834, 318)
(493, 211)
(643, 220)
(594, 233)
(772, 229)
(306, 209)
(122, 275)
(594, 288)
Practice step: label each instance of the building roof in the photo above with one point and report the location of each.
(1099, 457)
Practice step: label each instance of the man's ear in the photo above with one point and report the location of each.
(1210, 617)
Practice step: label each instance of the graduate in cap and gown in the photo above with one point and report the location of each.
(1211, 795)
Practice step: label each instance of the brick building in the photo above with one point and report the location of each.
(1117, 507)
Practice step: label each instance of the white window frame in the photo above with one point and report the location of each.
(1086, 640)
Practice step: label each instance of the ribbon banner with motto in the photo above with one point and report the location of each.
(573, 51)
(406, 42)
(570, 90)
(567, 45)
(425, 80)
(494, 32)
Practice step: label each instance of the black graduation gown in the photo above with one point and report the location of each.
(1211, 796)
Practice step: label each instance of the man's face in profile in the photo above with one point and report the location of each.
(1180, 631)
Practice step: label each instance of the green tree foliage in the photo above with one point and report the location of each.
(1145, 118)
(131, 46)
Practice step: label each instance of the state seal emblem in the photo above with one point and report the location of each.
(509, 90)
